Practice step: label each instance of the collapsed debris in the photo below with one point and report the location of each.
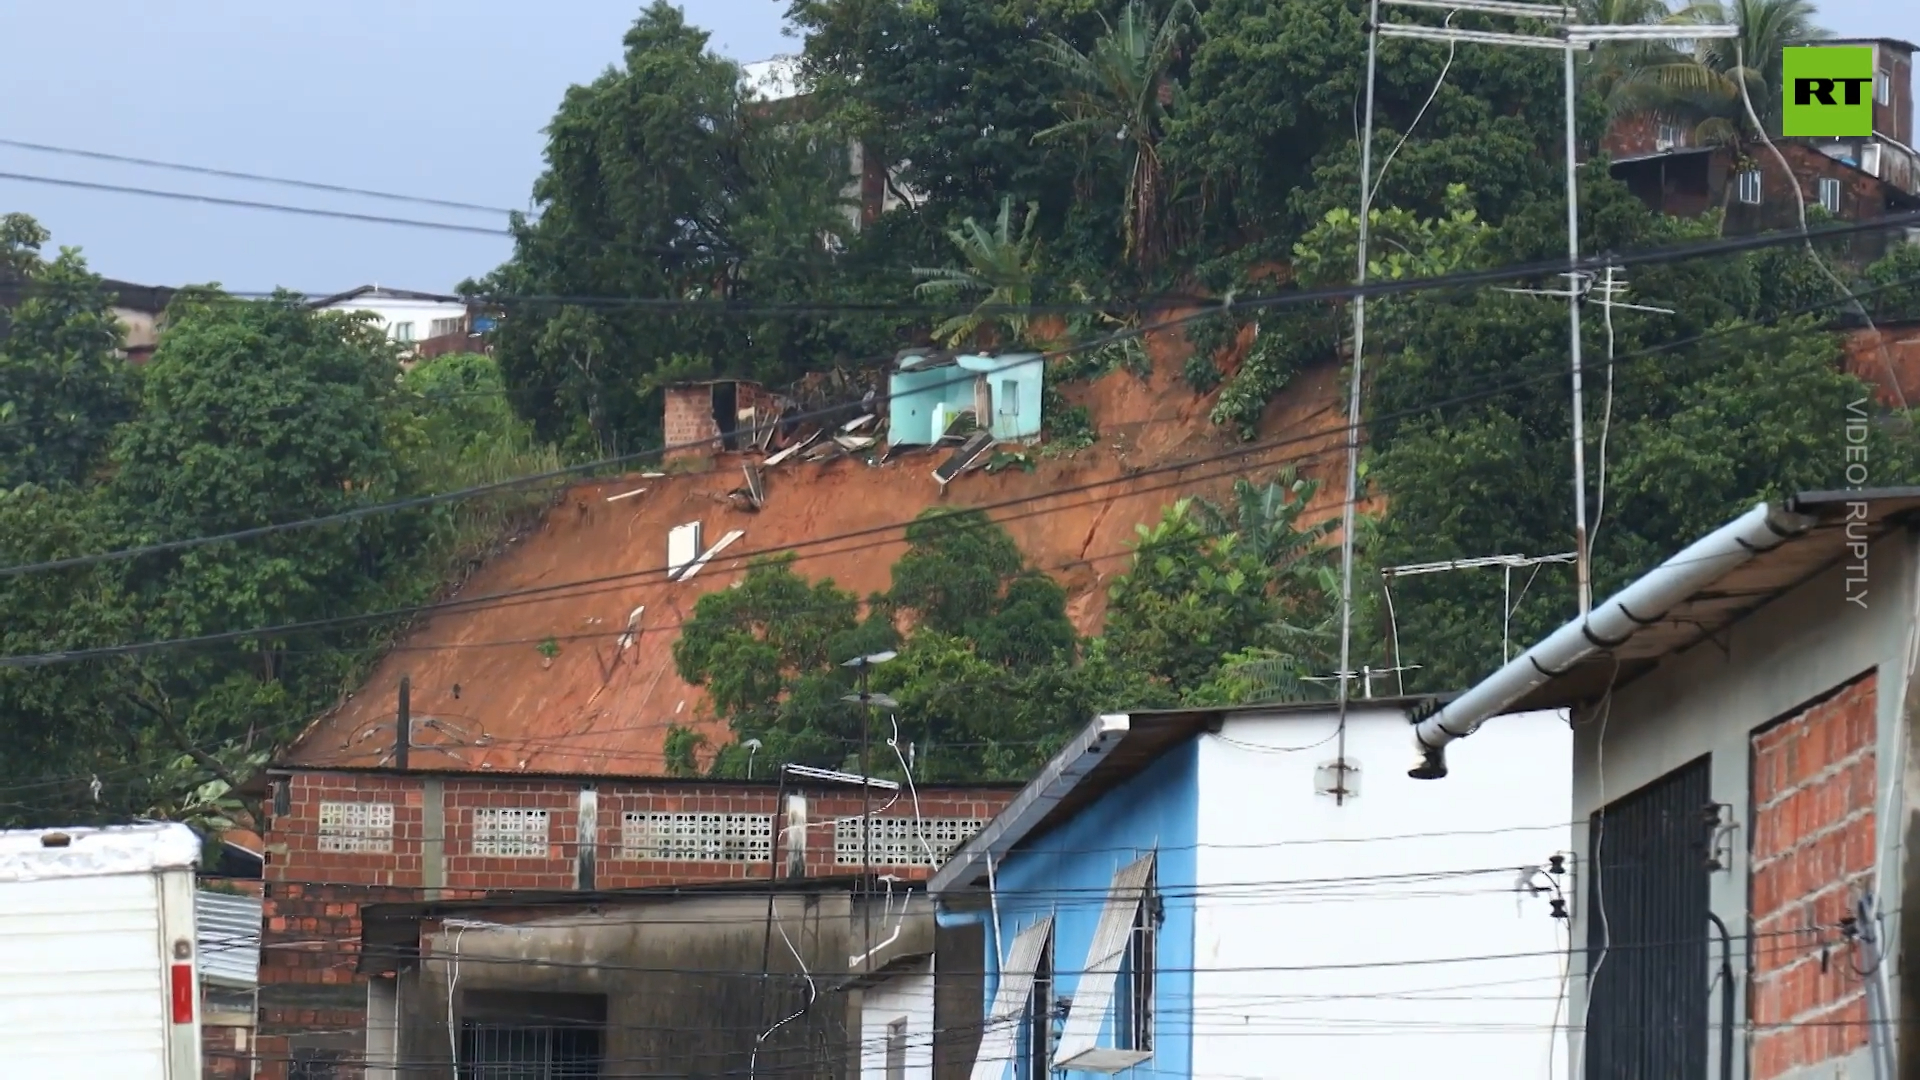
(707, 556)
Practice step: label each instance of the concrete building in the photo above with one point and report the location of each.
(342, 839)
(718, 979)
(929, 390)
(409, 318)
(1743, 716)
(874, 187)
(1263, 891)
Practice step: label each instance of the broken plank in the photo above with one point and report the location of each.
(970, 451)
(793, 449)
(707, 555)
(626, 494)
(756, 487)
(857, 423)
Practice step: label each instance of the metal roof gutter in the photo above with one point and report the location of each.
(1609, 625)
(1057, 778)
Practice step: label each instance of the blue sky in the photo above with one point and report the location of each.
(427, 97)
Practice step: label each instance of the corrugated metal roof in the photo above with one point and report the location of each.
(228, 928)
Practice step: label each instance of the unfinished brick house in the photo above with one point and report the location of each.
(1743, 864)
(715, 415)
(1853, 179)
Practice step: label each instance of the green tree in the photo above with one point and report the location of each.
(1120, 93)
(999, 268)
(63, 384)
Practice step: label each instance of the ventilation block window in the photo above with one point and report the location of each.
(897, 843)
(734, 838)
(356, 827)
(510, 833)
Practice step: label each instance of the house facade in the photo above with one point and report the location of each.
(1854, 179)
(1743, 716)
(341, 840)
(721, 979)
(428, 322)
(1212, 892)
(927, 391)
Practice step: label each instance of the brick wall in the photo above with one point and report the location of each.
(1813, 853)
(1896, 118)
(310, 939)
(1631, 136)
(1862, 197)
(689, 419)
(1866, 361)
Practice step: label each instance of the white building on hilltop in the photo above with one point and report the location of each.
(407, 317)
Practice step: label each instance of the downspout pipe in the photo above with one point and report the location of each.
(1608, 625)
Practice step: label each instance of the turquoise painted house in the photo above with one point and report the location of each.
(929, 390)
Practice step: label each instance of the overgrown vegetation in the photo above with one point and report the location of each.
(248, 414)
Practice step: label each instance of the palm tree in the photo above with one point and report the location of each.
(1266, 517)
(998, 264)
(1120, 96)
(1711, 85)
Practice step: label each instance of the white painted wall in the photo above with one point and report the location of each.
(1329, 938)
(393, 313)
(909, 996)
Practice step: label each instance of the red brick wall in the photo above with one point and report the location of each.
(1813, 853)
(1862, 196)
(1866, 361)
(1630, 136)
(1895, 119)
(689, 419)
(310, 941)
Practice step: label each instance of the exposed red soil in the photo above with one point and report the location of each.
(485, 697)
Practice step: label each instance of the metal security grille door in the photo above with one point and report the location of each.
(500, 1052)
(1647, 905)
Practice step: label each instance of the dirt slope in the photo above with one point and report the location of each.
(485, 697)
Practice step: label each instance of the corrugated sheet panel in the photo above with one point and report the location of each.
(1002, 1027)
(228, 927)
(1647, 958)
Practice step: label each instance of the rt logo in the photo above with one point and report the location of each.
(1829, 91)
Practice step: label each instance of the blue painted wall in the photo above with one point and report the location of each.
(1069, 871)
(914, 393)
(1016, 380)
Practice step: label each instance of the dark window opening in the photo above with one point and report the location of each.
(1037, 1062)
(514, 1036)
(1647, 905)
(1133, 1020)
(726, 412)
(310, 1064)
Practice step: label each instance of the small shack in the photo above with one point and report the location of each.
(712, 415)
(930, 390)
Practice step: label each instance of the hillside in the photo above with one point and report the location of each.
(486, 696)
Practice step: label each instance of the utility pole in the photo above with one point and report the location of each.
(867, 701)
(1354, 392)
(1570, 37)
(403, 727)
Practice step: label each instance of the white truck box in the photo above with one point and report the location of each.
(97, 966)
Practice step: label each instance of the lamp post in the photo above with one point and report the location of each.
(1570, 37)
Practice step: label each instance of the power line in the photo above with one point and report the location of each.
(1290, 299)
(310, 185)
(250, 204)
(27, 660)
